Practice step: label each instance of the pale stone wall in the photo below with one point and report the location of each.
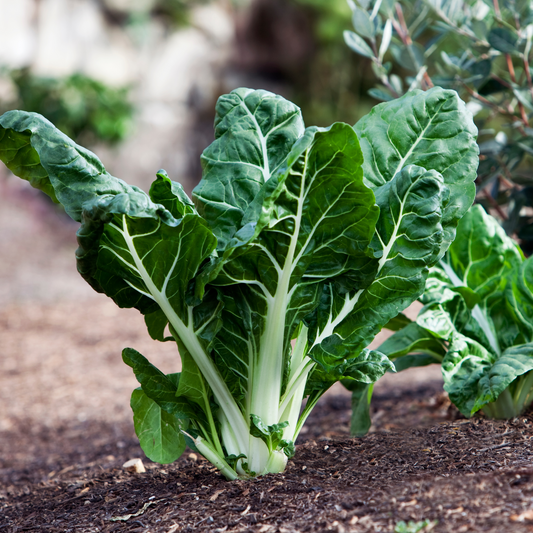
(59, 37)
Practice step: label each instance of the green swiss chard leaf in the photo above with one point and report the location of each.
(171, 195)
(413, 339)
(512, 308)
(480, 255)
(159, 432)
(159, 387)
(407, 240)
(474, 377)
(514, 362)
(468, 281)
(464, 365)
(437, 321)
(254, 133)
(431, 129)
(35, 150)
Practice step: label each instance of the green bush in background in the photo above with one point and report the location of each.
(83, 108)
(480, 48)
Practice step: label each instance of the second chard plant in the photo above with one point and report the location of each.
(298, 247)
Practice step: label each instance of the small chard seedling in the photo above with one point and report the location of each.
(299, 245)
(477, 322)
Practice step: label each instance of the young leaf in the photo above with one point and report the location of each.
(271, 435)
(159, 432)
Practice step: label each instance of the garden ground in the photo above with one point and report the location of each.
(66, 428)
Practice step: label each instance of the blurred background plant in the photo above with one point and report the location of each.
(85, 109)
(175, 13)
(480, 48)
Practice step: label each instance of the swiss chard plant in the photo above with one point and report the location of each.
(299, 245)
(477, 322)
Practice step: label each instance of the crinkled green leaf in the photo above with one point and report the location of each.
(511, 309)
(481, 253)
(171, 195)
(413, 339)
(437, 320)
(432, 129)
(159, 432)
(513, 363)
(462, 369)
(407, 240)
(158, 386)
(271, 435)
(474, 377)
(469, 277)
(254, 133)
(33, 149)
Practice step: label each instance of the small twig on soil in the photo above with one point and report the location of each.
(503, 445)
(138, 513)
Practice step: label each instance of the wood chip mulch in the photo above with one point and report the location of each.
(468, 475)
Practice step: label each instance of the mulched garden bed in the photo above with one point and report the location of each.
(469, 475)
(66, 430)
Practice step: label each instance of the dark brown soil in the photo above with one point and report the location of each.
(66, 429)
(470, 475)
